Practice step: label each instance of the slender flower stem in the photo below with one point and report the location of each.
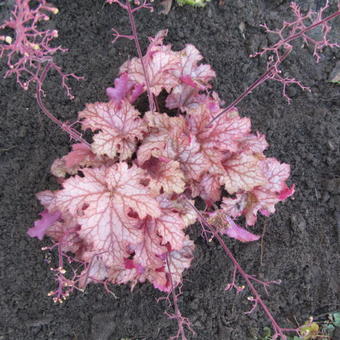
(181, 321)
(274, 67)
(251, 88)
(248, 278)
(140, 55)
(309, 28)
(74, 134)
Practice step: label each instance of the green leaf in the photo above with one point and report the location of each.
(329, 328)
(195, 3)
(267, 332)
(336, 318)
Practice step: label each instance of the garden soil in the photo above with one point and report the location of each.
(300, 243)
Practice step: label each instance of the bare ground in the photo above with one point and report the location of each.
(301, 243)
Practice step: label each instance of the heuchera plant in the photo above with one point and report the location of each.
(124, 203)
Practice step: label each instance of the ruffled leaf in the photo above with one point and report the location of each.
(264, 197)
(164, 133)
(171, 224)
(166, 176)
(189, 72)
(225, 225)
(176, 262)
(242, 172)
(40, 226)
(179, 260)
(240, 234)
(118, 129)
(124, 89)
(119, 92)
(160, 62)
(223, 135)
(102, 201)
(210, 188)
(80, 156)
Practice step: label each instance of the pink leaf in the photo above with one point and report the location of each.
(148, 252)
(65, 232)
(248, 204)
(40, 226)
(223, 135)
(187, 80)
(179, 205)
(80, 156)
(96, 271)
(192, 79)
(119, 92)
(178, 261)
(156, 43)
(241, 234)
(192, 161)
(253, 143)
(135, 93)
(243, 172)
(79, 153)
(160, 62)
(166, 176)
(147, 259)
(210, 188)
(286, 192)
(182, 96)
(124, 89)
(102, 202)
(119, 128)
(118, 185)
(153, 146)
(275, 173)
(189, 72)
(262, 197)
(225, 225)
(235, 206)
(47, 199)
(165, 134)
(170, 225)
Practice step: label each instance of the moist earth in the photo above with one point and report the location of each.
(300, 243)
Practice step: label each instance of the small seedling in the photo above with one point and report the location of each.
(195, 3)
(311, 329)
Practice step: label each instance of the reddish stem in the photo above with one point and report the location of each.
(74, 134)
(257, 297)
(181, 321)
(252, 87)
(274, 68)
(309, 28)
(140, 55)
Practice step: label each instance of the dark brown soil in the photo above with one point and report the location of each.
(301, 243)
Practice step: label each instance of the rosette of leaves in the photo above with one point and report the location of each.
(126, 201)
